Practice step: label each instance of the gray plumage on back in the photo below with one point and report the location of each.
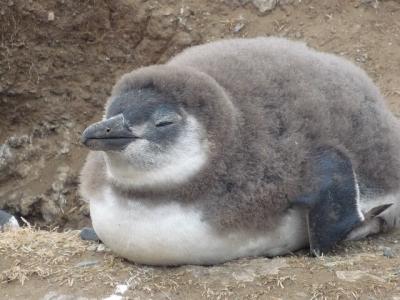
(249, 117)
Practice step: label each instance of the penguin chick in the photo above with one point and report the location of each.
(238, 148)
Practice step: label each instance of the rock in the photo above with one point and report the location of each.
(161, 25)
(238, 27)
(92, 247)
(183, 39)
(58, 296)
(50, 16)
(87, 263)
(6, 159)
(388, 252)
(242, 271)
(85, 210)
(101, 248)
(7, 221)
(17, 141)
(373, 3)
(65, 148)
(298, 35)
(265, 5)
(88, 234)
(354, 276)
(23, 169)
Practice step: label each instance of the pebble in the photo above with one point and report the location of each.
(238, 27)
(265, 5)
(17, 141)
(57, 296)
(388, 252)
(7, 221)
(5, 153)
(86, 263)
(51, 16)
(101, 248)
(355, 276)
(92, 248)
(88, 234)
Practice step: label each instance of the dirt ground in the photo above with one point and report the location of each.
(59, 266)
(58, 62)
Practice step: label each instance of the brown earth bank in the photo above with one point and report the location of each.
(58, 62)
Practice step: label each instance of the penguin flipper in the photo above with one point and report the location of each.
(333, 208)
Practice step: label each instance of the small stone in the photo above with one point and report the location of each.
(57, 296)
(5, 154)
(388, 252)
(265, 5)
(85, 95)
(64, 148)
(167, 12)
(354, 276)
(50, 16)
(88, 234)
(92, 247)
(121, 289)
(7, 221)
(23, 170)
(183, 39)
(85, 210)
(373, 3)
(17, 141)
(101, 248)
(238, 27)
(87, 263)
(298, 35)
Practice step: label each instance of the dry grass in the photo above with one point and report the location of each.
(50, 254)
(29, 257)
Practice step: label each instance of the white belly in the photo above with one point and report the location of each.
(170, 234)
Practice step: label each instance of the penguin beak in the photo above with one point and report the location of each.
(112, 134)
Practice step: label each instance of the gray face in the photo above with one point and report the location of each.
(149, 115)
(134, 116)
(147, 136)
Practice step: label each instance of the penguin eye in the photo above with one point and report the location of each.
(164, 123)
(165, 116)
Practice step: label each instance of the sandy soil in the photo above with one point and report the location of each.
(58, 61)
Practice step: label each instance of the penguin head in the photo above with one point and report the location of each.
(155, 131)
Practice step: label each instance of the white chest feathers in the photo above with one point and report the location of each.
(170, 234)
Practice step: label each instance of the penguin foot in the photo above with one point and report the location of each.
(372, 224)
(333, 207)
